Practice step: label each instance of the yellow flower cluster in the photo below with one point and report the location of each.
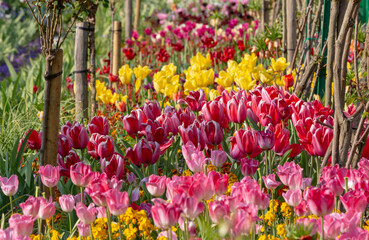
(270, 237)
(281, 230)
(197, 75)
(270, 215)
(286, 210)
(165, 81)
(55, 235)
(232, 178)
(136, 224)
(106, 96)
(187, 172)
(100, 229)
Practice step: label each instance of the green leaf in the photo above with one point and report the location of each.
(13, 74)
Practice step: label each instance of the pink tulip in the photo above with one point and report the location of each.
(100, 212)
(118, 202)
(290, 175)
(99, 125)
(85, 214)
(218, 158)
(320, 201)
(255, 197)
(266, 138)
(97, 189)
(195, 158)
(243, 220)
(156, 185)
(81, 174)
(310, 223)
(9, 185)
(202, 187)
(191, 207)
(165, 215)
(47, 208)
(356, 233)
(292, 197)
(335, 186)
(65, 165)
(21, 225)
(67, 203)
(355, 201)
(236, 110)
(219, 182)
(83, 229)
(7, 234)
(114, 166)
(31, 206)
(78, 136)
(302, 209)
(244, 143)
(332, 226)
(165, 234)
(49, 175)
(281, 140)
(213, 133)
(249, 166)
(270, 182)
(218, 211)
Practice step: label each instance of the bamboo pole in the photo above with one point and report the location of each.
(80, 62)
(284, 40)
(117, 39)
(137, 14)
(128, 19)
(291, 28)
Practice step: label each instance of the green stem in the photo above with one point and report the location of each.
(81, 189)
(52, 217)
(187, 235)
(346, 184)
(292, 215)
(70, 223)
(322, 229)
(273, 222)
(11, 204)
(120, 229)
(92, 237)
(109, 223)
(39, 226)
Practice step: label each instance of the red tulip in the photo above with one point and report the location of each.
(154, 131)
(85, 214)
(293, 197)
(144, 152)
(281, 140)
(49, 175)
(64, 145)
(320, 201)
(290, 175)
(71, 159)
(81, 174)
(194, 134)
(288, 81)
(78, 136)
(118, 202)
(243, 143)
(114, 166)
(195, 100)
(156, 185)
(186, 117)
(31, 206)
(236, 110)
(215, 110)
(99, 125)
(9, 185)
(34, 139)
(213, 133)
(165, 215)
(21, 225)
(113, 78)
(249, 166)
(67, 203)
(129, 53)
(65, 128)
(47, 208)
(162, 55)
(151, 109)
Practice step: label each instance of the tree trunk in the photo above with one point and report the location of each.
(284, 40)
(128, 18)
(137, 14)
(112, 9)
(116, 50)
(291, 29)
(80, 71)
(50, 124)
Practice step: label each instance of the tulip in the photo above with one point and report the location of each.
(165, 234)
(193, 133)
(218, 211)
(290, 175)
(244, 142)
(64, 145)
(85, 214)
(47, 208)
(83, 229)
(132, 124)
(71, 159)
(202, 187)
(144, 152)
(266, 139)
(186, 117)
(355, 201)
(195, 100)
(191, 207)
(125, 73)
(213, 133)
(293, 197)
(218, 158)
(81, 174)
(118, 202)
(91, 146)
(21, 225)
(155, 132)
(151, 109)
(332, 226)
(270, 182)
(9, 186)
(104, 146)
(249, 166)
(67, 203)
(219, 182)
(78, 136)
(306, 183)
(156, 185)
(97, 189)
(34, 139)
(170, 120)
(257, 198)
(99, 125)
(65, 128)
(320, 201)
(281, 140)
(236, 110)
(49, 175)
(100, 212)
(113, 167)
(216, 111)
(165, 215)
(302, 209)
(7, 234)
(195, 158)
(31, 206)
(243, 221)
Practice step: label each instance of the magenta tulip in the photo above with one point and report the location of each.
(65, 165)
(219, 182)
(114, 166)
(78, 136)
(47, 208)
(67, 203)
(218, 158)
(118, 202)
(266, 138)
(195, 100)
(320, 201)
(64, 145)
(193, 133)
(236, 110)
(213, 133)
(191, 207)
(215, 110)
(31, 206)
(151, 109)
(99, 125)
(21, 225)
(34, 139)
(249, 166)
(49, 175)
(156, 185)
(302, 209)
(9, 185)
(104, 146)
(355, 201)
(144, 152)
(85, 214)
(133, 123)
(81, 174)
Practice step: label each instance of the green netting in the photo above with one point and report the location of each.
(364, 10)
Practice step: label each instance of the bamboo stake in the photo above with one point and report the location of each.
(291, 26)
(116, 50)
(137, 14)
(128, 19)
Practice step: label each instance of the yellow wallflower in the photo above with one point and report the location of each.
(125, 73)
(281, 230)
(286, 210)
(280, 65)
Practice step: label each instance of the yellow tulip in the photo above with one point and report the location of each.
(201, 61)
(244, 80)
(213, 94)
(280, 65)
(137, 84)
(248, 62)
(125, 73)
(169, 69)
(205, 78)
(141, 72)
(225, 79)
